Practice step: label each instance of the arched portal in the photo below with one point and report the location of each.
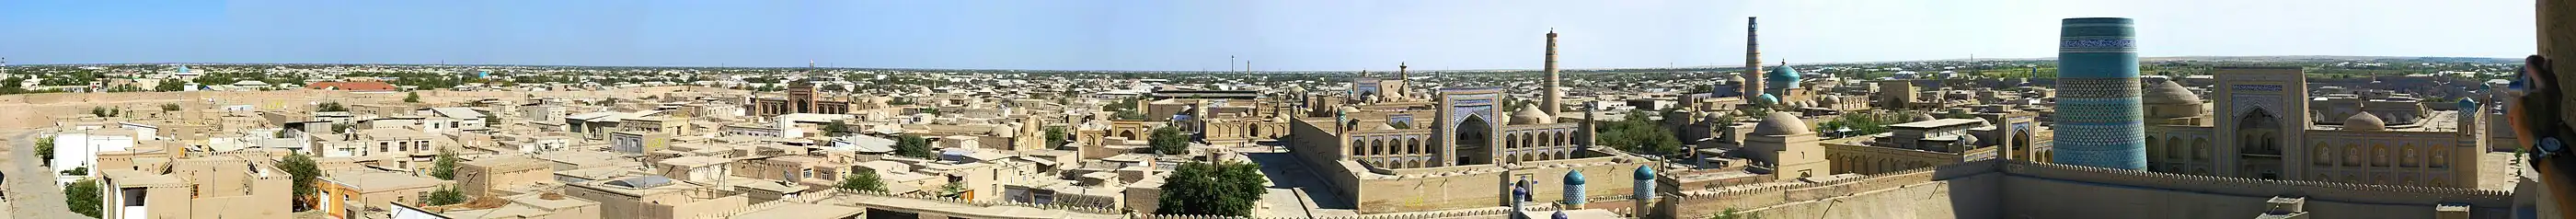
(2258, 140)
(1474, 141)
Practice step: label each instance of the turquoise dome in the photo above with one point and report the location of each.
(1574, 177)
(2467, 104)
(1782, 76)
(1766, 100)
(1644, 173)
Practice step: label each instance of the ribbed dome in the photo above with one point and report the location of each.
(1644, 173)
(2363, 121)
(2169, 93)
(1782, 76)
(1530, 114)
(1574, 177)
(1780, 123)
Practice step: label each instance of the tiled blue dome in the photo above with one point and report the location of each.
(1644, 173)
(1782, 76)
(1574, 177)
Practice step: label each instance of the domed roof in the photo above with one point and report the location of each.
(2467, 104)
(1644, 173)
(1574, 177)
(2170, 93)
(1713, 118)
(1780, 123)
(1766, 100)
(1530, 114)
(1735, 79)
(1782, 76)
(2363, 121)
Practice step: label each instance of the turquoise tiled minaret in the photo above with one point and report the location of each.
(2099, 122)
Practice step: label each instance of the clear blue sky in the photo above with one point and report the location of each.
(1199, 35)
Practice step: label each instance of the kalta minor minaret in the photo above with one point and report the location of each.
(1752, 60)
(1555, 100)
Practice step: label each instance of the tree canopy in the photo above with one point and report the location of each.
(1640, 134)
(865, 180)
(1227, 188)
(1169, 140)
(445, 167)
(304, 171)
(83, 197)
(914, 146)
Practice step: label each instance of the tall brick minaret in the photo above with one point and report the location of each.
(1752, 59)
(1555, 99)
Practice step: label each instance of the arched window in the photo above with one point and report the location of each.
(2441, 156)
(2408, 158)
(2379, 157)
(2324, 155)
(2352, 155)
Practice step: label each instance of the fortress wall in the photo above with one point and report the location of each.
(1487, 189)
(1791, 198)
(2061, 191)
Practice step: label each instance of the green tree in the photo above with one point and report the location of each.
(865, 180)
(1639, 134)
(1227, 188)
(445, 195)
(330, 107)
(1169, 140)
(45, 150)
(952, 190)
(411, 97)
(305, 172)
(445, 168)
(168, 86)
(836, 129)
(1055, 136)
(83, 197)
(913, 146)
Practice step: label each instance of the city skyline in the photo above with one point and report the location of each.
(1195, 36)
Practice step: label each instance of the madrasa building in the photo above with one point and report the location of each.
(1386, 148)
(2262, 122)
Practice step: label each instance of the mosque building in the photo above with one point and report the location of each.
(1388, 149)
(2266, 125)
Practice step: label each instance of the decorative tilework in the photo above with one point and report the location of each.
(2099, 118)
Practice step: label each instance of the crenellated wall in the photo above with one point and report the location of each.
(2018, 189)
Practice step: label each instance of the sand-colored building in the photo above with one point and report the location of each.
(2266, 125)
(207, 187)
(351, 193)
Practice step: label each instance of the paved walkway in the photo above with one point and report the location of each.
(31, 191)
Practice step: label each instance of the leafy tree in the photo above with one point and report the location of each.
(83, 197)
(952, 190)
(330, 107)
(1169, 140)
(1226, 188)
(445, 168)
(305, 172)
(411, 97)
(445, 195)
(168, 86)
(1640, 134)
(864, 181)
(913, 146)
(45, 150)
(1055, 136)
(836, 129)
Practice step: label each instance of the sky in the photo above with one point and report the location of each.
(1186, 35)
